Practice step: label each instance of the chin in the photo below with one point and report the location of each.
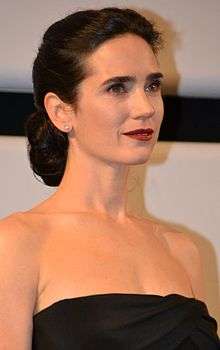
(138, 160)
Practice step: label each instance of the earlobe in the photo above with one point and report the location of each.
(58, 112)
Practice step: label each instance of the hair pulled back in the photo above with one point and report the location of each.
(58, 68)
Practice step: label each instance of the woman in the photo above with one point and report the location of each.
(80, 272)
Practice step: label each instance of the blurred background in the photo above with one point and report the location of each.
(180, 185)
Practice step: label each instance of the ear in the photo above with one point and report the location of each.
(60, 113)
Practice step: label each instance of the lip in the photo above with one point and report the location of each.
(140, 137)
(146, 132)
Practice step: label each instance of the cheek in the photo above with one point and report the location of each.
(99, 126)
(104, 117)
(159, 109)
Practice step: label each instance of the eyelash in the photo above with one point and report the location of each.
(157, 83)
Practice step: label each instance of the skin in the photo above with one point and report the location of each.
(99, 155)
(95, 179)
(81, 240)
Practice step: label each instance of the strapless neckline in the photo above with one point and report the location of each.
(117, 295)
(125, 321)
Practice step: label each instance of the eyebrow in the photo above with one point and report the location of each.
(128, 78)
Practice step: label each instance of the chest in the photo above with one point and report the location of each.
(102, 259)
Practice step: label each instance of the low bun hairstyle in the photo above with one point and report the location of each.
(59, 67)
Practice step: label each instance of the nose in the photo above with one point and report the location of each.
(142, 105)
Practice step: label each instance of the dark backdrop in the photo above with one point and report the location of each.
(185, 118)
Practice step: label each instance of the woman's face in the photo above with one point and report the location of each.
(106, 110)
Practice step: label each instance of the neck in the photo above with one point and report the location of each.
(93, 186)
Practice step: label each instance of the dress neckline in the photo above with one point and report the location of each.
(123, 295)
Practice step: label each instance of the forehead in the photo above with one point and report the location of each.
(124, 54)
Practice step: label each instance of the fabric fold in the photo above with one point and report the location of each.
(125, 321)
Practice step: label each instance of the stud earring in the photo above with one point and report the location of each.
(66, 127)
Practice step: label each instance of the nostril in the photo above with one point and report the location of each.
(146, 114)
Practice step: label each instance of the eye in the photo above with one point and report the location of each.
(118, 88)
(154, 86)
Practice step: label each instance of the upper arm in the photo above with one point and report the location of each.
(18, 277)
(187, 252)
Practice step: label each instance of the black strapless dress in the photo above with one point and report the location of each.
(125, 322)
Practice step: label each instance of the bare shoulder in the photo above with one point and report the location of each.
(12, 230)
(18, 241)
(19, 281)
(20, 248)
(18, 228)
(185, 249)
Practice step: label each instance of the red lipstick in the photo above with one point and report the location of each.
(140, 134)
(139, 131)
